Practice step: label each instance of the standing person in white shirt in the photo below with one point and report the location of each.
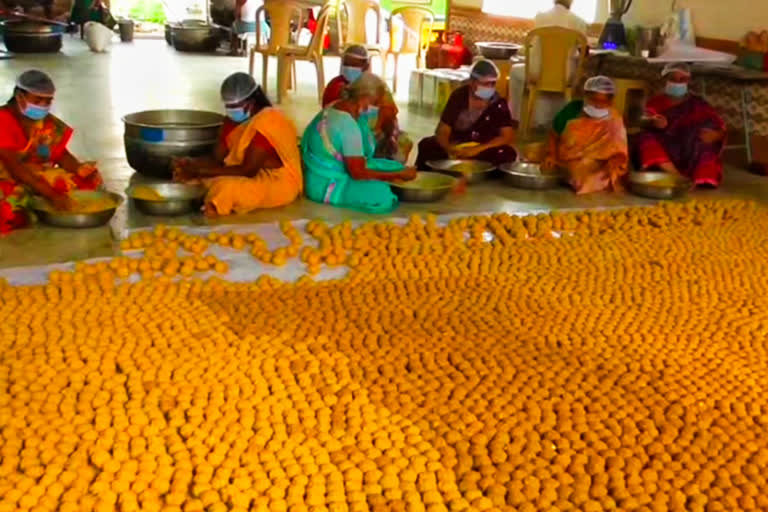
(245, 23)
(548, 105)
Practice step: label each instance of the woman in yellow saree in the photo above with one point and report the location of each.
(256, 163)
(589, 140)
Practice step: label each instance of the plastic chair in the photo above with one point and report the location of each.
(557, 50)
(356, 11)
(280, 14)
(288, 54)
(413, 40)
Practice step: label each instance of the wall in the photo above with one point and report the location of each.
(715, 19)
(467, 4)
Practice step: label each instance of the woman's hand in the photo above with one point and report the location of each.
(659, 122)
(710, 136)
(90, 173)
(182, 170)
(549, 164)
(86, 169)
(467, 152)
(62, 202)
(408, 174)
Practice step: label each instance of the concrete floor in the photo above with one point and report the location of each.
(95, 90)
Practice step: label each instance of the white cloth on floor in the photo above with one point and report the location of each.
(97, 36)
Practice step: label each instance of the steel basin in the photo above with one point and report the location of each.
(498, 50)
(426, 188)
(528, 175)
(177, 198)
(46, 214)
(31, 36)
(154, 137)
(194, 36)
(474, 171)
(647, 184)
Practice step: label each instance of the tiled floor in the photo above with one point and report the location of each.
(95, 90)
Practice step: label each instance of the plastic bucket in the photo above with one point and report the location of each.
(126, 30)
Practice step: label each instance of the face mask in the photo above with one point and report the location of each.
(485, 93)
(238, 114)
(350, 73)
(35, 112)
(596, 113)
(676, 90)
(372, 111)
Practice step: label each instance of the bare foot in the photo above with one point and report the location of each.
(669, 167)
(210, 211)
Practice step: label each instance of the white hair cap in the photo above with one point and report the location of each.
(484, 69)
(601, 84)
(356, 50)
(36, 82)
(237, 87)
(676, 67)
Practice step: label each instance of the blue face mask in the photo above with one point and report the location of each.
(238, 114)
(676, 90)
(35, 112)
(372, 111)
(350, 73)
(485, 93)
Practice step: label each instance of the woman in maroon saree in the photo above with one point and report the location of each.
(476, 123)
(687, 135)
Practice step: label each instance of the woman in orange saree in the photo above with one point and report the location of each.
(589, 140)
(257, 162)
(33, 153)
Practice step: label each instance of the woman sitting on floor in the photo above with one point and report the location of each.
(256, 163)
(687, 135)
(475, 124)
(589, 140)
(33, 152)
(338, 154)
(391, 143)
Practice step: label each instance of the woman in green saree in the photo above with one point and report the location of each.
(338, 147)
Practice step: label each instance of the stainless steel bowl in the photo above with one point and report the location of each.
(154, 137)
(658, 185)
(496, 50)
(428, 187)
(473, 170)
(192, 36)
(177, 198)
(22, 36)
(48, 215)
(529, 176)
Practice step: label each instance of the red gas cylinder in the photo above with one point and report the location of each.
(453, 53)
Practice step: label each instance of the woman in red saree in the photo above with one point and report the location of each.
(33, 153)
(687, 135)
